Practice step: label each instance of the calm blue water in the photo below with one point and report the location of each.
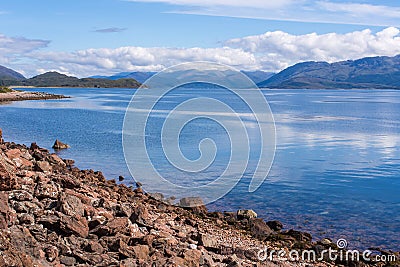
(337, 167)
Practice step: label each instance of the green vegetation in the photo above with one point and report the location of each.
(55, 79)
(4, 89)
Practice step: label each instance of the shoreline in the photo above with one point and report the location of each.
(24, 95)
(54, 214)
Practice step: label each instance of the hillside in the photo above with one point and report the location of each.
(7, 75)
(255, 76)
(372, 72)
(55, 79)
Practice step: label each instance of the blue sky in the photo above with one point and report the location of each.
(86, 37)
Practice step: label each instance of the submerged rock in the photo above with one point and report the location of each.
(60, 145)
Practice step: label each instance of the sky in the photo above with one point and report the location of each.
(104, 37)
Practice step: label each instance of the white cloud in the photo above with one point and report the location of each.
(13, 47)
(106, 61)
(231, 3)
(277, 50)
(288, 10)
(271, 51)
(360, 10)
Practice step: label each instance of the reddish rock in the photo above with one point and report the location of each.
(141, 252)
(259, 228)
(54, 159)
(118, 225)
(51, 253)
(60, 145)
(6, 216)
(209, 241)
(43, 166)
(192, 258)
(71, 205)
(46, 189)
(140, 215)
(74, 225)
(94, 246)
(8, 180)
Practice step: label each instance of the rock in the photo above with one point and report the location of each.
(300, 236)
(68, 261)
(190, 202)
(246, 214)
(209, 242)
(43, 166)
(74, 225)
(156, 196)
(46, 189)
(33, 146)
(51, 253)
(275, 225)
(71, 205)
(6, 216)
(56, 160)
(259, 228)
(1, 136)
(60, 145)
(94, 246)
(194, 204)
(8, 180)
(192, 258)
(326, 241)
(19, 158)
(121, 178)
(141, 252)
(26, 218)
(140, 215)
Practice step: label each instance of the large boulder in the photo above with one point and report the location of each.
(60, 145)
(259, 228)
(246, 214)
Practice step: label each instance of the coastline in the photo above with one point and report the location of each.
(54, 214)
(24, 95)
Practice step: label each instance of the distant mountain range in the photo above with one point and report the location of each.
(55, 79)
(256, 76)
(370, 72)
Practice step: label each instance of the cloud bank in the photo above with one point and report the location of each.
(271, 51)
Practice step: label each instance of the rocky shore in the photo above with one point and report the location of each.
(54, 214)
(23, 95)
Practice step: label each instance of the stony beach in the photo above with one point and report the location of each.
(54, 214)
(23, 95)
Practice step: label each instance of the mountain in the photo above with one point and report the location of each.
(55, 79)
(258, 75)
(137, 75)
(255, 76)
(8, 75)
(370, 72)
